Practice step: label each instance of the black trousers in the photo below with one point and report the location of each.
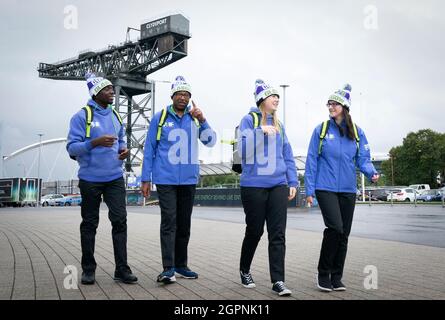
(176, 202)
(337, 210)
(265, 205)
(114, 196)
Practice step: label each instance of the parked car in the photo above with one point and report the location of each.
(439, 196)
(420, 188)
(379, 194)
(428, 195)
(69, 201)
(367, 192)
(50, 199)
(401, 194)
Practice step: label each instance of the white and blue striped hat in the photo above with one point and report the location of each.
(262, 91)
(342, 96)
(96, 84)
(180, 85)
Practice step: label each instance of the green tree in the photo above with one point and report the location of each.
(420, 159)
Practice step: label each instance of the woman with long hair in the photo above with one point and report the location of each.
(336, 149)
(268, 181)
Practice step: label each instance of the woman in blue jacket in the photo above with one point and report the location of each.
(268, 169)
(337, 147)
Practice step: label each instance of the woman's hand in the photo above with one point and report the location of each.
(309, 201)
(269, 130)
(375, 178)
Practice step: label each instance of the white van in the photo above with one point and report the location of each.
(420, 188)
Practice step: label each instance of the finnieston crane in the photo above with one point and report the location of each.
(161, 43)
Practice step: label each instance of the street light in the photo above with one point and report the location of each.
(392, 168)
(153, 95)
(284, 86)
(38, 168)
(3, 166)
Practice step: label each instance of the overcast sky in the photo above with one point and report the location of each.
(391, 52)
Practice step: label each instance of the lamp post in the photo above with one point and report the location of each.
(392, 169)
(153, 90)
(38, 169)
(284, 86)
(3, 166)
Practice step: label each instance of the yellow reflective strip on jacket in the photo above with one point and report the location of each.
(161, 123)
(357, 138)
(255, 120)
(88, 121)
(117, 115)
(231, 142)
(322, 135)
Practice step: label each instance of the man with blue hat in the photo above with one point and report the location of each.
(96, 141)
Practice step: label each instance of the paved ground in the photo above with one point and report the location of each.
(37, 244)
(424, 224)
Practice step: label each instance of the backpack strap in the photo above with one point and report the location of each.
(357, 138)
(89, 114)
(117, 116)
(196, 122)
(255, 119)
(161, 123)
(88, 120)
(164, 118)
(324, 130)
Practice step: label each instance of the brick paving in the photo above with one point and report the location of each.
(37, 244)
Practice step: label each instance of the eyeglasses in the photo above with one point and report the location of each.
(182, 94)
(332, 104)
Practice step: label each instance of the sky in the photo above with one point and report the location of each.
(391, 52)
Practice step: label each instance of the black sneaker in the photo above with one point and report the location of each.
(337, 285)
(167, 276)
(247, 280)
(324, 283)
(88, 277)
(125, 275)
(280, 288)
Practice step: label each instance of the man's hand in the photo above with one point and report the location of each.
(292, 193)
(145, 189)
(375, 178)
(123, 153)
(104, 141)
(197, 113)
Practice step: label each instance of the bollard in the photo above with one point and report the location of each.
(391, 199)
(369, 194)
(415, 199)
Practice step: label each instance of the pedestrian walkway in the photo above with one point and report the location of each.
(36, 244)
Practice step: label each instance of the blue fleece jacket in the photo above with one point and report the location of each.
(334, 169)
(174, 159)
(267, 161)
(99, 164)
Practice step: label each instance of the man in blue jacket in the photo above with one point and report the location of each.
(171, 162)
(96, 141)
